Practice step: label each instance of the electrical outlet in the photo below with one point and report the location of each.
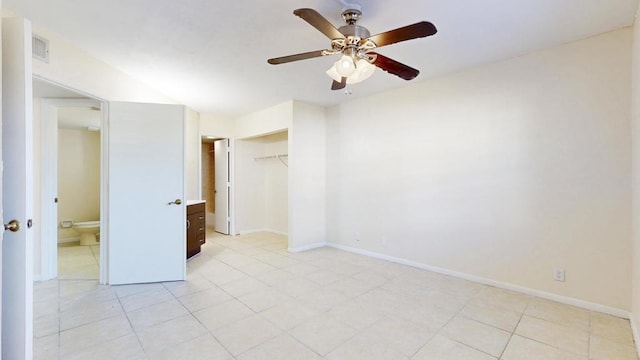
(558, 274)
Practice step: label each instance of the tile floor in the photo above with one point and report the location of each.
(247, 298)
(78, 262)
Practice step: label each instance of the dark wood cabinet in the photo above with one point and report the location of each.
(196, 228)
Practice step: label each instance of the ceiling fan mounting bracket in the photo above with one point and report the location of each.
(351, 16)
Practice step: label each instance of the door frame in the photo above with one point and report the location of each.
(48, 209)
(232, 177)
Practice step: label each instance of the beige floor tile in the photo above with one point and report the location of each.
(146, 298)
(243, 287)
(47, 347)
(442, 348)
(194, 283)
(126, 347)
(264, 299)
(406, 336)
(256, 268)
(503, 299)
(223, 314)
(323, 299)
(82, 337)
(204, 299)
(323, 303)
(323, 333)
(605, 349)
(323, 277)
(566, 315)
(366, 346)
(46, 325)
(499, 317)
(297, 287)
(612, 328)
(520, 348)
(354, 314)
(275, 277)
(289, 314)
(85, 312)
(278, 348)
(133, 289)
(245, 334)
(170, 333)
(205, 347)
(563, 337)
(477, 335)
(155, 314)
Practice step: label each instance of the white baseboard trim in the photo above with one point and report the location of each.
(247, 232)
(307, 247)
(277, 232)
(503, 285)
(634, 331)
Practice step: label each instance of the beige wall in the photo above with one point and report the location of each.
(502, 172)
(635, 133)
(78, 178)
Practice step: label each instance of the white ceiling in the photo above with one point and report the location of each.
(211, 55)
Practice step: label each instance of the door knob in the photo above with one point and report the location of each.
(176, 202)
(13, 226)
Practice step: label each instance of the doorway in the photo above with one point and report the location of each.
(69, 181)
(216, 182)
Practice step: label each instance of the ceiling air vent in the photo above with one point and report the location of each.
(40, 48)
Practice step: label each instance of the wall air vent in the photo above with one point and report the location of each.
(40, 48)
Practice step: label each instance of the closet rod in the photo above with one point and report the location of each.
(279, 157)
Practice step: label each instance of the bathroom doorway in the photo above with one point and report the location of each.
(216, 183)
(70, 177)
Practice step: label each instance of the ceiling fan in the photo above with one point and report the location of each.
(356, 45)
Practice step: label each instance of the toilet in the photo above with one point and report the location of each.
(87, 231)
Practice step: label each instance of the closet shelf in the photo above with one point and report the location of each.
(278, 157)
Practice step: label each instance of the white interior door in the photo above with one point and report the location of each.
(17, 190)
(222, 185)
(147, 214)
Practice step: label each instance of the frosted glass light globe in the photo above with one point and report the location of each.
(345, 66)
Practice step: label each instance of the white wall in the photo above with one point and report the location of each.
(78, 178)
(635, 133)
(192, 154)
(276, 187)
(250, 187)
(261, 185)
(307, 177)
(75, 69)
(502, 172)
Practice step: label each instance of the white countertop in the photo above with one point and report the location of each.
(194, 202)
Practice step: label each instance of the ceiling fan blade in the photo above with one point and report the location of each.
(319, 22)
(417, 30)
(339, 85)
(296, 57)
(393, 67)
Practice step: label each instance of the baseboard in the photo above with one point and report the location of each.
(634, 331)
(503, 285)
(307, 247)
(277, 232)
(247, 232)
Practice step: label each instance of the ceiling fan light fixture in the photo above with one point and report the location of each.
(363, 69)
(345, 66)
